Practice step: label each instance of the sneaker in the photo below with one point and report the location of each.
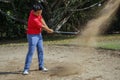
(43, 69)
(25, 72)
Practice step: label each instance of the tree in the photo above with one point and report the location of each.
(64, 15)
(115, 25)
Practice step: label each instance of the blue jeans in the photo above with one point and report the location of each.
(33, 42)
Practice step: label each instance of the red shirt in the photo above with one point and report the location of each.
(34, 24)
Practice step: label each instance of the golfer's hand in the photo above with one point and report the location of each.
(50, 31)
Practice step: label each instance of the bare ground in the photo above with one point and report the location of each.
(65, 62)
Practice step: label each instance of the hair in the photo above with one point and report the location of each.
(37, 7)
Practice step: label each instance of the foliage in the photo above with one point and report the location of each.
(14, 15)
(115, 26)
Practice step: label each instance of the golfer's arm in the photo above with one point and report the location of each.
(45, 27)
(44, 23)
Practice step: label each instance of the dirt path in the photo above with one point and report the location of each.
(65, 62)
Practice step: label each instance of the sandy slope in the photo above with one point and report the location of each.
(65, 62)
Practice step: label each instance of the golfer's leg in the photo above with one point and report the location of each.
(40, 52)
(32, 40)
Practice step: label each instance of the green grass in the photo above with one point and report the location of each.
(49, 39)
(109, 42)
(115, 45)
(58, 39)
(105, 42)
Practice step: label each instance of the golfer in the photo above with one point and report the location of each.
(35, 25)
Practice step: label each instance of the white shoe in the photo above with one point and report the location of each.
(43, 69)
(25, 72)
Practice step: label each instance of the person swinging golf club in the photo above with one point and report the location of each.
(35, 25)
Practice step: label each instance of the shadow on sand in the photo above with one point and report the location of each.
(7, 73)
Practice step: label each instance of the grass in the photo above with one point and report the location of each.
(115, 45)
(59, 39)
(50, 39)
(105, 42)
(109, 42)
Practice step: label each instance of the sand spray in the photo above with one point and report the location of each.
(72, 65)
(98, 25)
